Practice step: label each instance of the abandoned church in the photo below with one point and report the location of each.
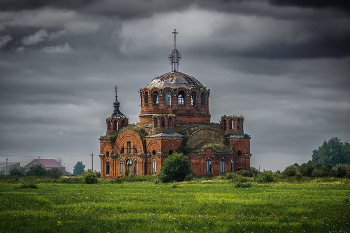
(174, 117)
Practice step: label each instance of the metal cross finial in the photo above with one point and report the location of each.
(175, 32)
(116, 96)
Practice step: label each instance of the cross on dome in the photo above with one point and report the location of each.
(175, 55)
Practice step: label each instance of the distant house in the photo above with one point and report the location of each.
(6, 167)
(47, 163)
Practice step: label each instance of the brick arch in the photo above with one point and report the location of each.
(152, 145)
(205, 134)
(128, 135)
(104, 147)
(174, 146)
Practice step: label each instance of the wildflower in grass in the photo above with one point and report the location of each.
(59, 223)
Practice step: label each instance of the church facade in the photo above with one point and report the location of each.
(174, 117)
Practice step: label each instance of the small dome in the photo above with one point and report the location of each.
(173, 79)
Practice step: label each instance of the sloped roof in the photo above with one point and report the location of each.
(174, 79)
(47, 163)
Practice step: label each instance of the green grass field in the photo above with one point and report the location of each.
(217, 206)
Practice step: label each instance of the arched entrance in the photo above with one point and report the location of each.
(128, 170)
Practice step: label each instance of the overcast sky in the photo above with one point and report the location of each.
(283, 65)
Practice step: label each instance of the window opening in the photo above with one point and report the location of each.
(154, 168)
(162, 122)
(136, 166)
(224, 124)
(146, 98)
(181, 98)
(231, 165)
(122, 150)
(128, 167)
(121, 167)
(155, 122)
(155, 98)
(239, 124)
(208, 166)
(222, 166)
(203, 99)
(107, 168)
(193, 98)
(128, 147)
(167, 98)
(239, 153)
(135, 150)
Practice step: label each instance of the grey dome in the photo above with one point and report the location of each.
(173, 79)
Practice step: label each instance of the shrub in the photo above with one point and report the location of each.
(328, 170)
(347, 175)
(90, 178)
(176, 168)
(307, 171)
(254, 171)
(54, 173)
(243, 185)
(245, 173)
(290, 170)
(229, 176)
(318, 173)
(37, 170)
(266, 177)
(16, 172)
(340, 170)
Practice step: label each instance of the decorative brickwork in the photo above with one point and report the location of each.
(174, 116)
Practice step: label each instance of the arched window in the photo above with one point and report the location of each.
(153, 152)
(238, 123)
(122, 124)
(121, 167)
(136, 168)
(146, 98)
(107, 154)
(154, 167)
(203, 99)
(194, 98)
(230, 124)
(162, 122)
(231, 165)
(155, 124)
(107, 168)
(222, 166)
(239, 153)
(181, 98)
(208, 166)
(167, 101)
(115, 125)
(224, 124)
(128, 147)
(128, 169)
(155, 98)
(171, 152)
(122, 150)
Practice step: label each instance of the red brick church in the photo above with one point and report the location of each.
(174, 117)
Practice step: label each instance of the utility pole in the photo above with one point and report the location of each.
(6, 166)
(92, 161)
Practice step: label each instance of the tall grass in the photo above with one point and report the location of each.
(218, 206)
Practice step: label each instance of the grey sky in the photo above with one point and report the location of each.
(283, 65)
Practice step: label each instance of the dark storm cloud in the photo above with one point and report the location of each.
(18, 5)
(319, 4)
(283, 66)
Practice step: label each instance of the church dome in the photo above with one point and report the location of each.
(174, 79)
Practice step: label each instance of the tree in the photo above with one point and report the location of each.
(176, 168)
(37, 170)
(54, 173)
(78, 168)
(290, 170)
(16, 171)
(332, 152)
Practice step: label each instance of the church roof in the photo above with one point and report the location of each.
(174, 79)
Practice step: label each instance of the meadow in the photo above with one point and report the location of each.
(200, 206)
